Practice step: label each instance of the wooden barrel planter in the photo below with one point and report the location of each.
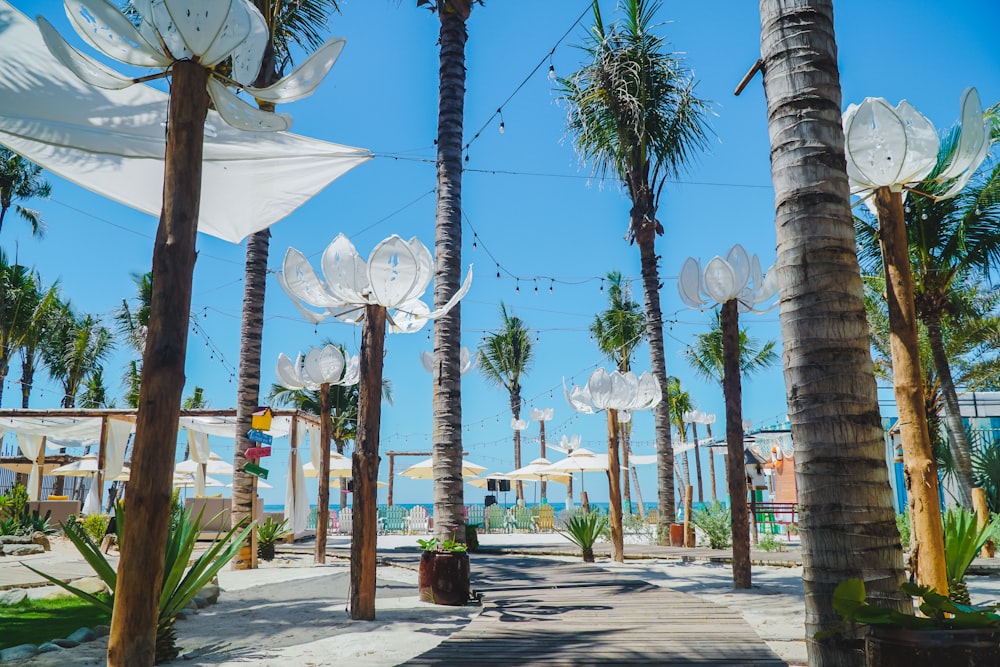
(890, 646)
(677, 534)
(443, 577)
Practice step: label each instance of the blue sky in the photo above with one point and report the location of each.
(530, 207)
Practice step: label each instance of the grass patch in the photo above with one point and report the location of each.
(38, 621)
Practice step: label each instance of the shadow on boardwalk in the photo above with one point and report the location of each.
(541, 612)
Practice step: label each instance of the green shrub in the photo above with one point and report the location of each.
(584, 529)
(963, 538)
(903, 525)
(96, 525)
(716, 521)
(769, 542)
(180, 583)
(16, 519)
(270, 533)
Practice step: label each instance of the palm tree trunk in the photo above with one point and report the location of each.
(846, 519)
(133, 624)
(364, 465)
(733, 391)
(27, 378)
(323, 496)
(927, 554)
(447, 412)
(644, 221)
(711, 463)
(515, 409)
(958, 439)
(248, 391)
(615, 490)
(697, 463)
(626, 490)
(543, 488)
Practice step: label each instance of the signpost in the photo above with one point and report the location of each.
(255, 470)
(259, 436)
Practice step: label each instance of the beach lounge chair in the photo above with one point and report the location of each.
(496, 519)
(333, 523)
(475, 515)
(418, 522)
(546, 519)
(395, 519)
(346, 524)
(522, 519)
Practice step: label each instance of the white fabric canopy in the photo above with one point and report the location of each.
(30, 445)
(119, 431)
(199, 450)
(296, 499)
(112, 142)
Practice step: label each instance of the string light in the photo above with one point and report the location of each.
(501, 121)
(552, 71)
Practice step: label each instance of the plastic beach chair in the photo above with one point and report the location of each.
(418, 519)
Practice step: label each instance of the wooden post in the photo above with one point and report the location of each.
(615, 490)
(365, 465)
(254, 506)
(132, 639)
(392, 471)
(102, 453)
(543, 489)
(711, 462)
(753, 515)
(927, 553)
(697, 463)
(983, 518)
(323, 499)
(293, 456)
(688, 524)
(733, 391)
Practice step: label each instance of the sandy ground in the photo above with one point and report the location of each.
(291, 612)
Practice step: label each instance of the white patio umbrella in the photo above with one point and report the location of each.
(579, 460)
(186, 481)
(538, 471)
(261, 484)
(215, 466)
(340, 466)
(425, 469)
(87, 467)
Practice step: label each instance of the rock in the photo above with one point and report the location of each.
(66, 643)
(92, 585)
(49, 647)
(210, 592)
(102, 630)
(83, 635)
(12, 596)
(23, 549)
(57, 592)
(15, 539)
(40, 539)
(19, 652)
(191, 606)
(200, 601)
(180, 616)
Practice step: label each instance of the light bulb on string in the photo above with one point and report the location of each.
(551, 283)
(552, 69)
(517, 286)
(536, 286)
(602, 284)
(499, 111)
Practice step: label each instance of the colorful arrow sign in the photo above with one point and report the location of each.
(255, 470)
(259, 436)
(257, 452)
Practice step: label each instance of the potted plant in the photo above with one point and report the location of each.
(443, 577)
(948, 633)
(270, 533)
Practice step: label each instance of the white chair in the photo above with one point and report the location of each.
(418, 520)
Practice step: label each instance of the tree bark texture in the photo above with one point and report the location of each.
(711, 463)
(541, 448)
(132, 640)
(449, 501)
(958, 439)
(846, 518)
(365, 463)
(733, 391)
(697, 463)
(248, 386)
(919, 465)
(323, 496)
(626, 488)
(515, 409)
(644, 221)
(615, 490)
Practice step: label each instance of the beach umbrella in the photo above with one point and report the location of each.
(186, 481)
(538, 471)
(335, 483)
(579, 460)
(483, 482)
(425, 469)
(261, 484)
(86, 467)
(340, 466)
(215, 466)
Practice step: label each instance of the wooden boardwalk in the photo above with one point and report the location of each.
(541, 612)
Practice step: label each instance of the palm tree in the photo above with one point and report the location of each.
(842, 478)
(618, 332)
(705, 356)
(32, 337)
(21, 180)
(74, 347)
(290, 24)
(24, 309)
(504, 356)
(94, 394)
(951, 242)
(132, 321)
(633, 113)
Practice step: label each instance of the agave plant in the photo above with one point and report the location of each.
(180, 583)
(268, 534)
(584, 529)
(963, 538)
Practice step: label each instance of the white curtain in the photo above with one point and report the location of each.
(198, 446)
(297, 502)
(314, 449)
(92, 503)
(30, 446)
(119, 431)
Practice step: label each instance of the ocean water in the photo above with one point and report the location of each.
(430, 506)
